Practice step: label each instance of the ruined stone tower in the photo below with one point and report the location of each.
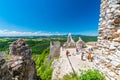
(80, 43)
(70, 42)
(54, 50)
(108, 56)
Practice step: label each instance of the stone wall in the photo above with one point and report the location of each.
(80, 44)
(70, 42)
(108, 56)
(54, 50)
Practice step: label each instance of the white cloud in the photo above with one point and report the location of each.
(40, 33)
(17, 33)
(88, 33)
(4, 25)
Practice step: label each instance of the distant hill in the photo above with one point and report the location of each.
(52, 36)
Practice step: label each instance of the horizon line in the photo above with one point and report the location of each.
(44, 33)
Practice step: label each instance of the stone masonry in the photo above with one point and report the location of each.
(108, 56)
(70, 42)
(80, 44)
(54, 50)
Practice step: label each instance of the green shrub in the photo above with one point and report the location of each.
(92, 75)
(44, 70)
(71, 77)
(47, 72)
(86, 75)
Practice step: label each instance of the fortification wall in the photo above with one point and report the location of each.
(108, 56)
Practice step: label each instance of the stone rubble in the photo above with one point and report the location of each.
(108, 56)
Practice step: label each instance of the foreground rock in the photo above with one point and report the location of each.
(21, 65)
(4, 71)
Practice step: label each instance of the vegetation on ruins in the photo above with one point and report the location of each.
(86, 75)
(92, 75)
(71, 77)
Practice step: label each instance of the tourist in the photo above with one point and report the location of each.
(67, 53)
(77, 50)
(90, 56)
(82, 55)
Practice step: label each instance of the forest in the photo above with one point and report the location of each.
(38, 44)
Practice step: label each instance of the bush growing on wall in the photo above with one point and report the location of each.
(92, 75)
(86, 75)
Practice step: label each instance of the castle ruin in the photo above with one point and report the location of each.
(108, 56)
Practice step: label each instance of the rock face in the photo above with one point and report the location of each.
(20, 48)
(80, 43)
(54, 49)
(4, 72)
(21, 65)
(70, 42)
(107, 58)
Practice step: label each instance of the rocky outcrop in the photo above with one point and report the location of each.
(21, 65)
(70, 42)
(108, 56)
(4, 71)
(20, 48)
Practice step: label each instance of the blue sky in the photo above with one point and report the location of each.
(39, 17)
